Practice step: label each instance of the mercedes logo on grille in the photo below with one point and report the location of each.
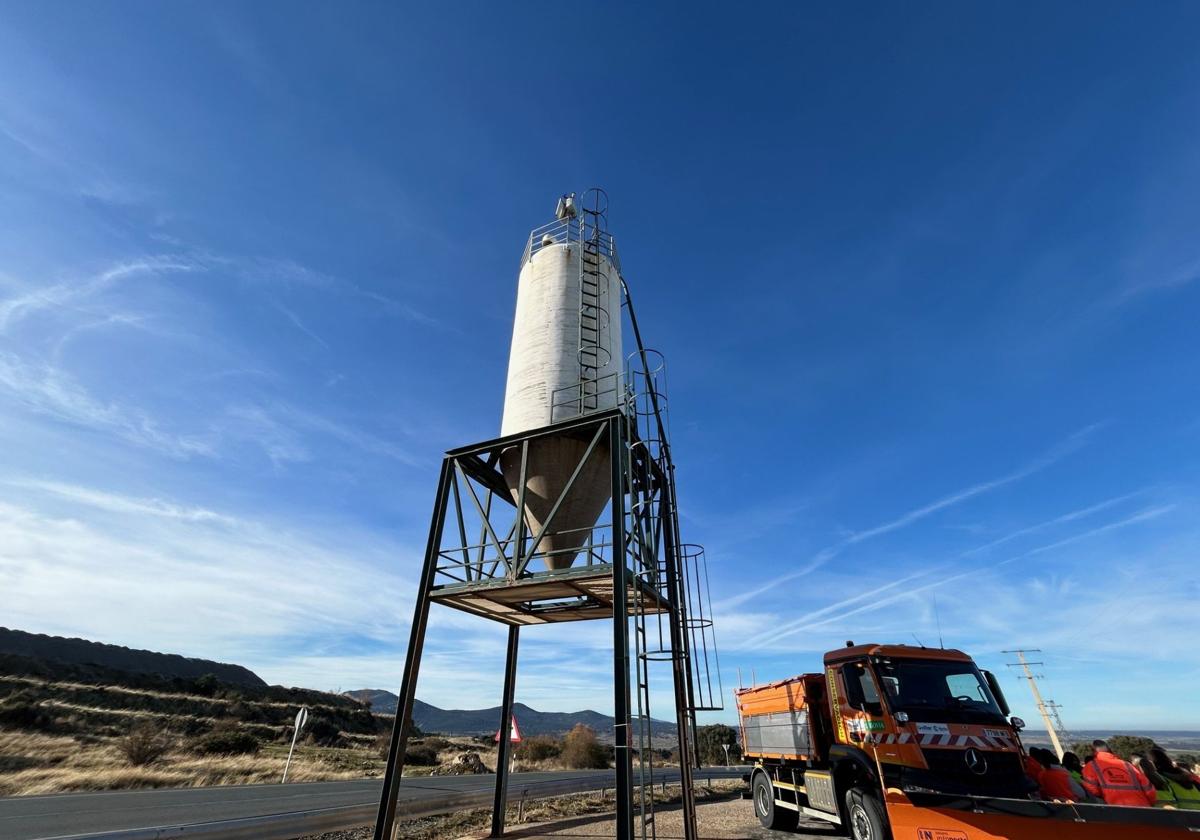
(976, 761)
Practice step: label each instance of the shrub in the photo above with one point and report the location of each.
(22, 711)
(145, 744)
(711, 742)
(247, 712)
(581, 750)
(382, 745)
(420, 756)
(324, 732)
(206, 686)
(226, 742)
(436, 743)
(538, 748)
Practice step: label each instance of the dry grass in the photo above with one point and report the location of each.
(39, 763)
(32, 763)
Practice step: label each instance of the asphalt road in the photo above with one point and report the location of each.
(65, 814)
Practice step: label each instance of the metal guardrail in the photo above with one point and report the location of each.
(300, 823)
(566, 232)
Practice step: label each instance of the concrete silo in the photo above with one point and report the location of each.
(565, 361)
(571, 515)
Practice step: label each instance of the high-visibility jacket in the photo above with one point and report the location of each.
(1117, 782)
(1187, 799)
(1165, 796)
(1033, 768)
(1056, 783)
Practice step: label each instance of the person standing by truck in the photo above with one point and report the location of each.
(1164, 796)
(1115, 780)
(1183, 788)
(1073, 765)
(1054, 782)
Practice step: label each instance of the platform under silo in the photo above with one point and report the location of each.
(581, 593)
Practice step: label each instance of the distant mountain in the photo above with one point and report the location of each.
(379, 700)
(485, 721)
(82, 652)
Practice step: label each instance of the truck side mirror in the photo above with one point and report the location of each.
(994, 685)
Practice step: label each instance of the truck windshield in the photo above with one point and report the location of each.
(937, 691)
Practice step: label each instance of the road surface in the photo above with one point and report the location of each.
(67, 814)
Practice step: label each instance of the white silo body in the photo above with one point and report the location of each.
(546, 384)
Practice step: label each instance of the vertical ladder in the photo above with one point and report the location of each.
(644, 721)
(593, 318)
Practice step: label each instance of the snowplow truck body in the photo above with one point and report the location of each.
(918, 720)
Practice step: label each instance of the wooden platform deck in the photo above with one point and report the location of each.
(580, 593)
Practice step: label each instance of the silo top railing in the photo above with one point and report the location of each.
(567, 231)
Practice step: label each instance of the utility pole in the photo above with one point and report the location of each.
(1053, 708)
(1042, 708)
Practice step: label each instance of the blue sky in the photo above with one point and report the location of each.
(927, 278)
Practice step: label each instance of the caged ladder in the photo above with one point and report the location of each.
(595, 352)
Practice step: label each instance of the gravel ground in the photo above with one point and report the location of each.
(729, 820)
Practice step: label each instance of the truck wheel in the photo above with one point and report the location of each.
(771, 816)
(865, 816)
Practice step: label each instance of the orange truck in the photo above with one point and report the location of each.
(910, 743)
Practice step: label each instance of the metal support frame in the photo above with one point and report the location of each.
(623, 736)
(601, 585)
(504, 733)
(386, 817)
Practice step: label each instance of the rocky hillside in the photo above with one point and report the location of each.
(64, 686)
(83, 653)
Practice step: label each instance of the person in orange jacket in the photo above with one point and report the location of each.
(1033, 767)
(1115, 780)
(1054, 782)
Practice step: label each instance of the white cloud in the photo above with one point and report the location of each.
(71, 295)
(116, 503)
(50, 391)
(325, 608)
(183, 578)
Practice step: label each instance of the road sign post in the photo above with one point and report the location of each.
(301, 719)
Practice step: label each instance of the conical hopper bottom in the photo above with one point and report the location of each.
(551, 463)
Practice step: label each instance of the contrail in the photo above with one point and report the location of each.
(1071, 444)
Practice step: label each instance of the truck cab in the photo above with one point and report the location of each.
(931, 718)
(918, 720)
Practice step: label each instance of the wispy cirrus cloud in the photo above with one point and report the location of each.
(324, 605)
(883, 596)
(79, 560)
(117, 503)
(1071, 444)
(1072, 516)
(1183, 274)
(300, 325)
(49, 391)
(73, 296)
